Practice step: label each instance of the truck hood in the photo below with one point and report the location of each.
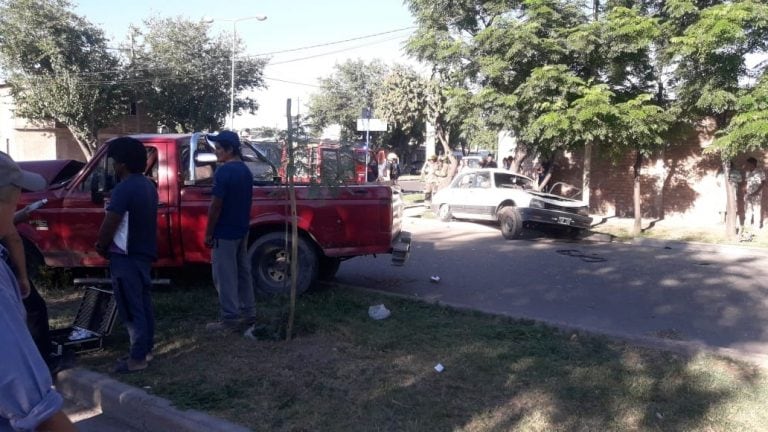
(54, 172)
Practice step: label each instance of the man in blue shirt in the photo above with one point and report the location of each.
(227, 234)
(27, 398)
(128, 238)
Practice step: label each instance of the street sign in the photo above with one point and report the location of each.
(372, 125)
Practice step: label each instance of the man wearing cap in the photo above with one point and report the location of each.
(128, 238)
(27, 398)
(227, 234)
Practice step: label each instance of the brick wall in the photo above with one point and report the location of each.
(680, 182)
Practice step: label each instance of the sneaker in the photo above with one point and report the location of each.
(130, 366)
(222, 326)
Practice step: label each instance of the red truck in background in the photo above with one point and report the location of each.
(335, 223)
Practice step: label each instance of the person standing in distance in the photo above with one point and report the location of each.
(27, 398)
(128, 239)
(227, 235)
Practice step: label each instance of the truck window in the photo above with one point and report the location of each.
(104, 173)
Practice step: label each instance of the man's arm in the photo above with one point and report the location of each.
(107, 232)
(214, 211)
(12, 241)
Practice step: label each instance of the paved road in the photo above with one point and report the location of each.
(718, 298)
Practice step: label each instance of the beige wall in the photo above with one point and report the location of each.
(27, 140)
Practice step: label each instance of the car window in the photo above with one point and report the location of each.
(482, 180)
(465, 181)
(504, 180)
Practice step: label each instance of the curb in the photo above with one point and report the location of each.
(135, 407)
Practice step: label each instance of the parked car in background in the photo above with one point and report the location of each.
(473, 162)
(509, 198)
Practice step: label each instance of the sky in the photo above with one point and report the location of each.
(290, 24)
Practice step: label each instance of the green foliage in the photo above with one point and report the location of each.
(353, 86)
(748, 130)
(184, 74)
(402, 103)
(59, 68)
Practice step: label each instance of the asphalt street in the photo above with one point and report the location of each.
(712, 296)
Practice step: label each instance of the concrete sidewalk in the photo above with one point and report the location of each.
(132, 407)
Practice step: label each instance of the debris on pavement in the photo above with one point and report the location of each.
(439, 367)
(435, 279)
(378, 312)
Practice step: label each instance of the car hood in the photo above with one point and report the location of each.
(557, 199)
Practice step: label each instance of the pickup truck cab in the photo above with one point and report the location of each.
(334, 223)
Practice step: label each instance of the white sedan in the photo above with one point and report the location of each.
(510, 199)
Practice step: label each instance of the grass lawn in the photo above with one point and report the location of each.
(346, 372)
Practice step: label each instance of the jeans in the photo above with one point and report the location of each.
(232, 278)
(132, 285)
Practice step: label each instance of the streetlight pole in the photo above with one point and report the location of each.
(234, 22)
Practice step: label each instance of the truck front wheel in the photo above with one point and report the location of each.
(271, 265)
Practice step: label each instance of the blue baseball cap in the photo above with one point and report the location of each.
(225, 139)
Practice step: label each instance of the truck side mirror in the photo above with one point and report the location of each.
(203, 158)
(97, 195)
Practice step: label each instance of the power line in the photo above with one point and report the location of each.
(291, 82)
(333, 52)
(332, 43)
(302, 48)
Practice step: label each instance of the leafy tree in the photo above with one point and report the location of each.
(709, 58)
(184, 74)
(59, 68)
(353, 86)
(402, 102)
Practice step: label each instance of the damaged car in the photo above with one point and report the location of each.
(510, 199)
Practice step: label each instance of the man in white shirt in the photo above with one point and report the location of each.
(753, 194)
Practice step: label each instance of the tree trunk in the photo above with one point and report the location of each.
(637, 227)
(294, 229)
(521, 153)
(87, 146)
(731, 206)
(587, 174)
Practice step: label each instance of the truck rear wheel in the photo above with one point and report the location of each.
(328, 268)
(271, 265)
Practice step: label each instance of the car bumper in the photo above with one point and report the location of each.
(555, 217)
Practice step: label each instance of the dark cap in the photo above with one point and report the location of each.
(225, 139)
(11, 174)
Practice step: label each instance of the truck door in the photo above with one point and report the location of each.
(81, 217)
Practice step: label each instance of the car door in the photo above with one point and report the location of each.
(481, 201)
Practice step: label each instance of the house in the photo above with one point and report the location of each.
(25, 139)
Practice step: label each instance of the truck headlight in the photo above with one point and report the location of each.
(584, 211)
(536, 204)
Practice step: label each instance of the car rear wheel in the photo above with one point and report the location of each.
(444, 213)
(511, 223)
(271, 265)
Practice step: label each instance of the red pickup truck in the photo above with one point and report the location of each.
(334, 223)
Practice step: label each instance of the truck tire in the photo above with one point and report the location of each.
(444, 213)
(511, 223)
(328, 268)
(271, 268)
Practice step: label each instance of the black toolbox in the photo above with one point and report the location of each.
(94, 320)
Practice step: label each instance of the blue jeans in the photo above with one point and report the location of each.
(233, 280)
(132, 286)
